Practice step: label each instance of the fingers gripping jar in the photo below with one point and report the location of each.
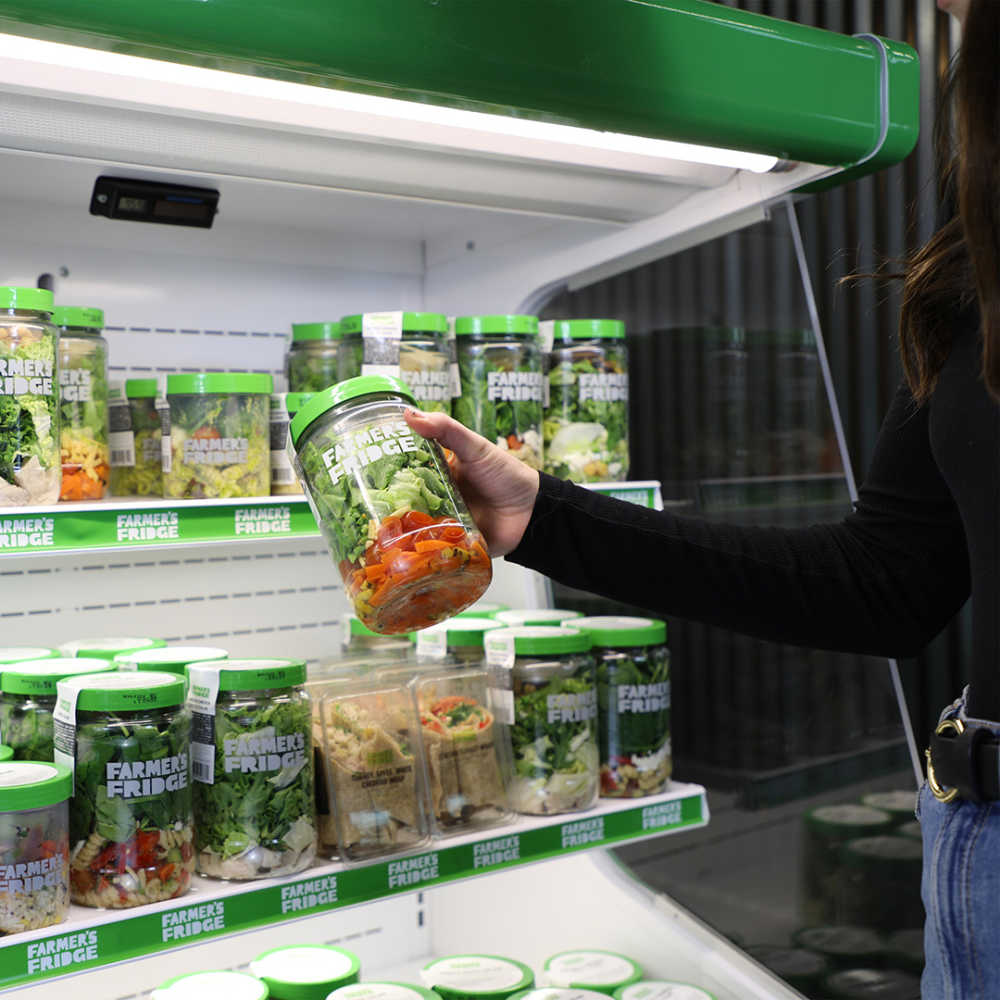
(408, 551)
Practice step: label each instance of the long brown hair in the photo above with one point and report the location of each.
(959, 266)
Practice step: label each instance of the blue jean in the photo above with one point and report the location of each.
(960, 888)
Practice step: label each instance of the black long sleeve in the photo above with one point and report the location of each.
(884, 581)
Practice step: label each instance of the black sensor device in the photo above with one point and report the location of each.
(153, 201)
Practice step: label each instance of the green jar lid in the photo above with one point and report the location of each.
(662, 989)
(91, 319)
(847, 820)
(255, 674)
(591, 969)
(536, 616)
(18, 654)
(477, 977)
(532, 640)
(32, 784)
(616, 631)
(207, 383)
(294, 401)
(40, 677)
(558, 993)
(466, 326)
(212, 986)
(6, 752)
(28, 299)
(124, 691)
(841, 941)
(172, 659)
(384, 990)
(483, 609)
(883, 853)
(305, 972)
(352, 388)
(901, 805)
(108, 648)
(315, 331)
(412, 323)
(588, 329)
(141, 388)
(459, 631)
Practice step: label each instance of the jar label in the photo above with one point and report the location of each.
(203, 692)
(514, 387)
(546, 335)
(21, 376)
(122, 446)
(432, 645)
(353, 452)
(564, 707)
(603, 387)
(75, 385)
(64, 725)
(381, 334)
(216, 451)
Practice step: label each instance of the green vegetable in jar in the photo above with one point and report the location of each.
(137, 464)
(311, 361)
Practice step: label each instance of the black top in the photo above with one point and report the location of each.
(923, 535)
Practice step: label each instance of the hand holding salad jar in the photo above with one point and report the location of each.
(406, 546)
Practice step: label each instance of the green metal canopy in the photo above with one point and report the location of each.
(687, 70)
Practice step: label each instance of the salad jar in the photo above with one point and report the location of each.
(311, 360)
(663, 989)
(483, 609)
(219, 435)
(600, 971)
(34, 845)
(305, 971)
(544, 691)
(284, 406)
(168, 659)
(83, 401)
(358, 638)
(18, 654)
(384, 991)
(407, 549)
(477, 977)
(108, 647)
(500, 364)
(136, 441)
(457, 641)
(252, 762)
(212, 985)
(131, 828)
(28, 700)
(406, 345)
(586, 419)
(633, 698)
(30, 461)
(537, 616)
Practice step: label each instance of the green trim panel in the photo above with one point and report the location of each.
(688, 70)
(197, 917)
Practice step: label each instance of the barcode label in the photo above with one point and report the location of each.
(122, 445)
(203, 763)
(282, 473)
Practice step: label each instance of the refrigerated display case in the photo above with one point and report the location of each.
(420, 178)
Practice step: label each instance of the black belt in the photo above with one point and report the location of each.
(964, 762)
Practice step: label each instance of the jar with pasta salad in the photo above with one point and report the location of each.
(127, 737)
(136, 440)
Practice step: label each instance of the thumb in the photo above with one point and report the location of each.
(467, 445)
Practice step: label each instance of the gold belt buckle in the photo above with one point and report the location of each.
(939, 792)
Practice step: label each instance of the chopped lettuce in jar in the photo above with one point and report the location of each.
(137, 466)
(311, 360)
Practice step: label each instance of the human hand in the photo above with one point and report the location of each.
(499, 490)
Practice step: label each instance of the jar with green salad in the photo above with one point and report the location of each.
(219, 440)
(500, 363)
(284, 406)
(586, 418)
(30, 460)
(136, 440)
(311, 360)
(83, 401)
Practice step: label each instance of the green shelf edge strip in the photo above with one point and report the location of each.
(687, 70)
(65, 952)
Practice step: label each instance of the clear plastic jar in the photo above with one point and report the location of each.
(633, 697)
(358, 638)
(30, 462)
(219, 435)
(545, 692)
(586, 419)
(28, 699)
(83, 398)
(410, 346)
(131, 827)
(284, 406)
(136, 441)
(407, 549)
(34, 845)
(311, 360)
(500, 363)
(456, 641)
(252, 762)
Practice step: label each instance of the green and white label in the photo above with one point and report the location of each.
(61, 953)
(161, 525)
(514, 387)
(500, 851)
(413, 871)
(358, 450)
(27, 532)
(661, 815)
(602, 387)
(583, 832)
(193, 921)
(19, 377)
(262, 521)
(317, 892)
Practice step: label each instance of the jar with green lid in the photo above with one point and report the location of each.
(536, 616)
(30, 460)
(284, 406)
(843, 945)
(219, 435)
(900, 804)
(586, 417)
(131, 829)
(83, 400)
(311, 359)
(384, 991)
(662, 989)
(306, 971)
(137, 440)
(168, 659)
(34, 845)
(591, 969)
(557, 993)
(212, 986)
(881, 883)
(357, 637)
(252, 763)
(483, 609)
(457, 641)
(544, 691)
(17, 654)
(633, 697)
(411, 346)
(28, 699)
(477, 977)
(108, 647)
(500, 364)
(407, 548)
